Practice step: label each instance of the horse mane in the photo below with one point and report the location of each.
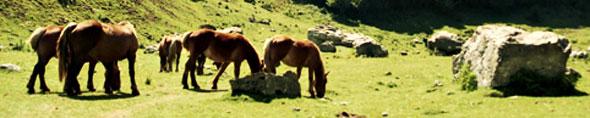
(207, 26)
(64, 49)
(36, 36)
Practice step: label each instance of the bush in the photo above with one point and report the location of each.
(467, 78)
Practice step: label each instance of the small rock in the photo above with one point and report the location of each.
(384, 114)
(10, 67)
(349, 115)
(388, 74)
(151, 49)
(232, 30)
(450, 93)
(327, 46)
(296, 109)
(148, 81)
(579, 54)
(404, 53)
(273, 30)
(344, 103)
(437, 83)
(265, 21)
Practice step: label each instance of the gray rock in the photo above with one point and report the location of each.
(232, 30)
(10, 67)
(327, 46)
(268, 84)
(579, 54)
(444, 43)
(151, 49)
(364, 45)
(496, 53)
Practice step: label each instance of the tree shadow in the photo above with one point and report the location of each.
(414, 17)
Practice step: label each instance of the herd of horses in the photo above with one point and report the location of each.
(92, 42)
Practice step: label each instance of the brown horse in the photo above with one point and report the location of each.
(44, 41)
(92, 40)
(170, 49)
(297, 53)
(219, 47)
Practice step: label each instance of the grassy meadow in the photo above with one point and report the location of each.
(420, 85)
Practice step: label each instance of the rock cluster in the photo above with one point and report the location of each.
(364, 45)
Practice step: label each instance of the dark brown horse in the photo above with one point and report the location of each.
(170, 49)
(92, 40)
(219, 47)
(297, 53)
(44, 41)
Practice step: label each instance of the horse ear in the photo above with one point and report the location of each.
(326, 74)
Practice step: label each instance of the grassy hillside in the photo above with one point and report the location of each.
(420, 85)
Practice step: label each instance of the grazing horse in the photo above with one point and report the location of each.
(219, 47)
(169, 50)
(44, 41)
(92, 40)
(297, 53)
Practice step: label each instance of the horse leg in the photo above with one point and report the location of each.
(188, 68)
(311, 82)
(201, 64)
(43, 85)
(131, 59)
(162, 63)
(108, 89)
(223, 66)
(31, 83)
(299, 68)
(178, 59)
(90, 83)
(237, 65)
(72, 87)
(116, 81)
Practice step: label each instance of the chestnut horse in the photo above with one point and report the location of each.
(219, 47)
(297, 53)
(44, 42)
(92, 40)
(170, 49)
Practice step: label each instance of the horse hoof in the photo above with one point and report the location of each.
(135, 93)
(45, 90)
(91, 89)
(214, 87)
(31, 91)
(185, 87)
(110, 92)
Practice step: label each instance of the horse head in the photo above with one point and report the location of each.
(320, 85)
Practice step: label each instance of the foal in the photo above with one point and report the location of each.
(170, 49)
(297, 53)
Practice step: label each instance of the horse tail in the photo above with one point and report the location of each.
(184, 39)
(36, 36)
(63, 49)
(173, 49)
(267, 54)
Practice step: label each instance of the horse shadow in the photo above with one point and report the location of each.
(116, 95)
(207, 91)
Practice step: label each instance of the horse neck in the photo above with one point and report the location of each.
(253, 59)
(319, 71)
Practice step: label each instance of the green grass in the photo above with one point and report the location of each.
(358, 85)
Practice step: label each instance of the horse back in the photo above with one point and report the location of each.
(47, 45)
(117, 43)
